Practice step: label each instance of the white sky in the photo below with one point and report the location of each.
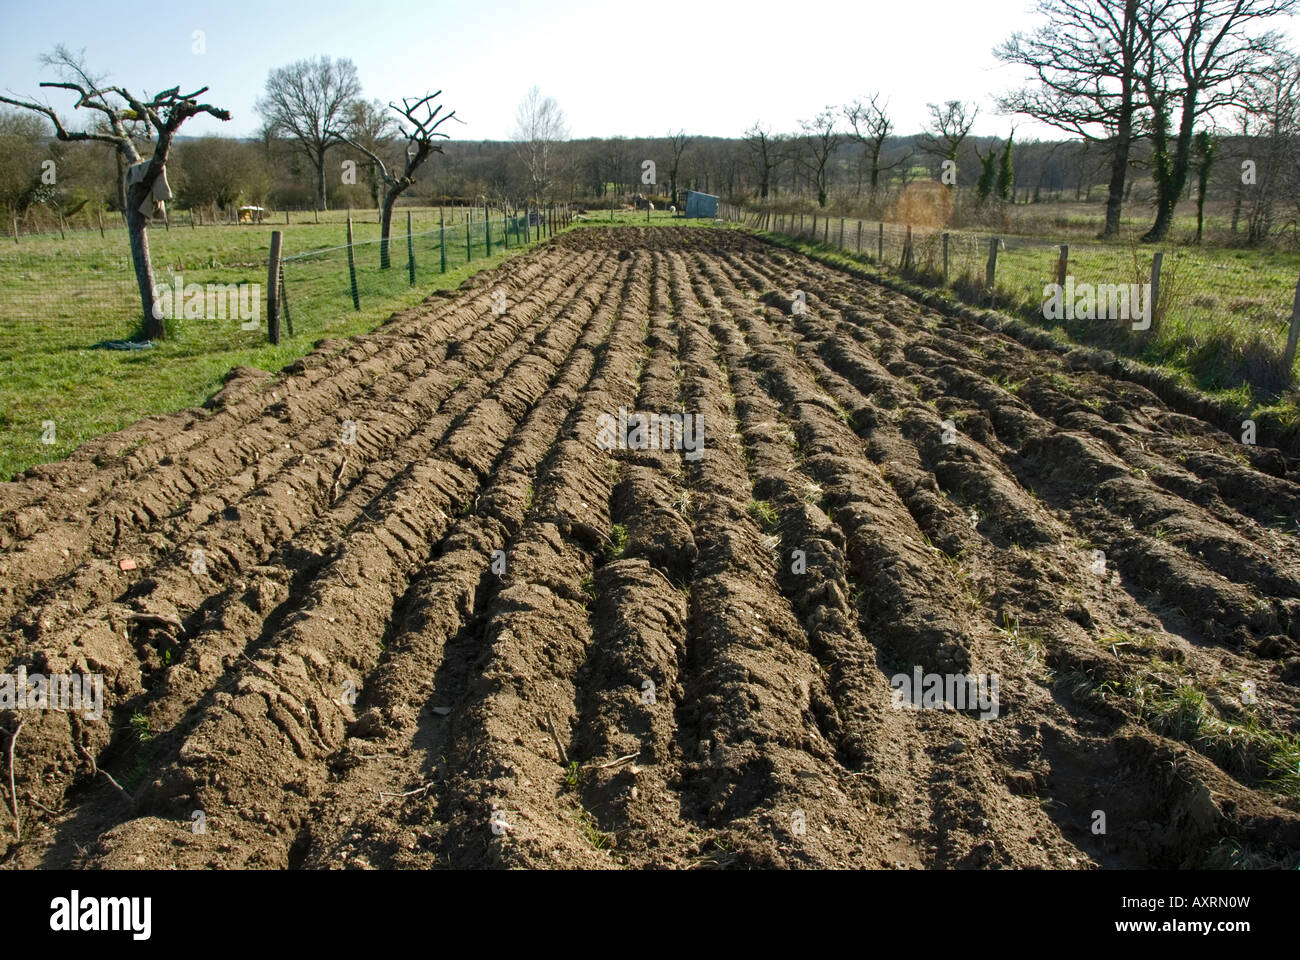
(616, 68)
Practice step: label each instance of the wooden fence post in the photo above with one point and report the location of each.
(15, 229)
(1062, 265)
(1288, 359)
(990, 272)
(99, 215)
(442, 238)
(859, 245)
(273, 289)
(945, 258)
(469, 249)
(906, 262)
(880, 243)
(352, 269)
(841, 233)
(1157, 261)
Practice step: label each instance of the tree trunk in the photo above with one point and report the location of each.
(1171, 176)
(1118, 174)
(121, 183)
(320, 183)
(1203, 182)
(385, 226)
(138, 230)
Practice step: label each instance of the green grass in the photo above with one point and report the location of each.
(598, 839)
(62, 296)
(1029, 644)
(141, 727)
(1121, 641)
(573, 775)
(764, 513)
(1220, 326)
(1175, 705)
(1223, 309)
(617, 543)
(630, 218)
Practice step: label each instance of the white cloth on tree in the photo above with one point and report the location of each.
(161, 191)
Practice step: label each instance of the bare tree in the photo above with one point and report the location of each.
(820, 139)
(1085, 60)
(539, 128)
(370, 129)
(23, 145)
(677, 142)
(1271, 116)
(870, 125)
(1199, 54)
(950, 123)
(766, 155)
(418, 126)
(119, 109)
(219, 172)
(308, 103)
(617, 160)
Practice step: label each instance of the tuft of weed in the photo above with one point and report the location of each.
(598, 838)
(617, 542)
(141, 727)
(1030, 645)
(763, 512)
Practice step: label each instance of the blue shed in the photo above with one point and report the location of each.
(701, 204)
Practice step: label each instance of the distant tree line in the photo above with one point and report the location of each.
(1159, 101)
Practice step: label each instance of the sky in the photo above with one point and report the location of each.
(614, 67)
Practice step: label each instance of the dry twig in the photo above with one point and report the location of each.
(13, 792)
(559, 747)
(611, 763)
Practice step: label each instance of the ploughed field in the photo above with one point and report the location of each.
(422, 600)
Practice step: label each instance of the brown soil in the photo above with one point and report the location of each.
(357, 681)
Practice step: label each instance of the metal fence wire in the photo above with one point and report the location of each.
(78, 289)
(1201, 296)
(324, 280)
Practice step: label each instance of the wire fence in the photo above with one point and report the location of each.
(1186, 300)
(326, 280)
(78, 290)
